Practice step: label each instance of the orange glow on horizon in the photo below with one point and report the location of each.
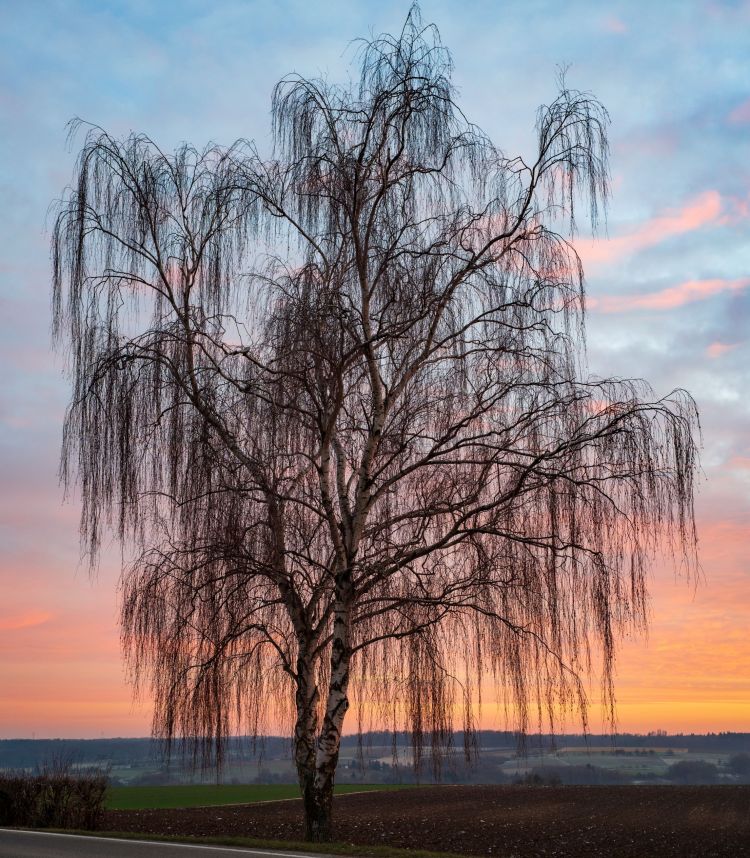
(62, 673)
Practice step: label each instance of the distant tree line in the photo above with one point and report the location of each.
(31, 753)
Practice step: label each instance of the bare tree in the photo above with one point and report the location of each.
(334, 401)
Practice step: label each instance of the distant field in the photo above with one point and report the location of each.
(204, 795)
(620, 749)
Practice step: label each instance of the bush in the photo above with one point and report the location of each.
(592, 775)
(566, 775)
(55, 799)
(692, 772)
(6, 806)
(739, 764)
(540, 777)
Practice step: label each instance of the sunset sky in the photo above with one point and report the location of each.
(668, 284)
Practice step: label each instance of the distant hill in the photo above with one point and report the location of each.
(118, 752)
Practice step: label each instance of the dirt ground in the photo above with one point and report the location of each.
(512, 822)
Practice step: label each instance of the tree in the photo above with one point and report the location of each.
(739, 764)
(333, 401)
(692, 772)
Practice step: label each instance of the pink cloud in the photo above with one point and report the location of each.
(741, 114)
(737, 210)
(703, 209)
(24, 621)
(716, 350)
(613, 24)
(650, 142)
(740, 462)
(668, 299)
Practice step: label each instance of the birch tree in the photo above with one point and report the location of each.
(333, 400)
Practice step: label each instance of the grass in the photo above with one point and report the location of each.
(205, 795)
(348, 849)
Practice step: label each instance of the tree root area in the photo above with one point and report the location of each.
(512, 822)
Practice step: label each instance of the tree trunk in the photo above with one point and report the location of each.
(316, 771)
(305, 735)
(317, 756)
(317, 795)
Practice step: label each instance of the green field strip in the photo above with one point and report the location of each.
(210, 795)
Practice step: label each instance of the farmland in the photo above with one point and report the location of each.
(207, 795)
(520, 821)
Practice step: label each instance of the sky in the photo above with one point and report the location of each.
(668, 285)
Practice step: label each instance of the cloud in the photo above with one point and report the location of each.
(613, 24)
(741, 114)
(24, 621)
(716, 350)
(737, 210)
(704, 209)
(671, 298)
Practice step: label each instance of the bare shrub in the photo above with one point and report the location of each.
(53, 799)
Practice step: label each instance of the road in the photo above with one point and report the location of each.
(40, 844)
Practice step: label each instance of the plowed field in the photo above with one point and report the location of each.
(513, 822)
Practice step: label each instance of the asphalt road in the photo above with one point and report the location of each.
(40, 844)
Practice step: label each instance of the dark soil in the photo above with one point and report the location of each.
(512, 822)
